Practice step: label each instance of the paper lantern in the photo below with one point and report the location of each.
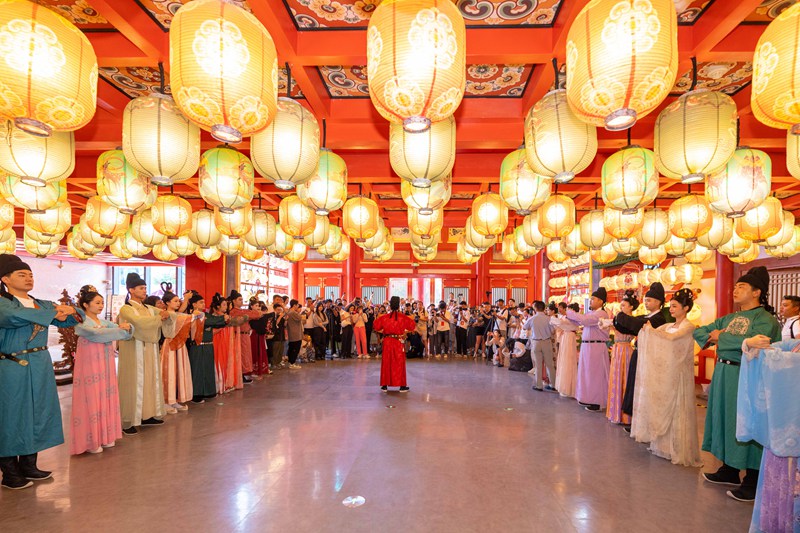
(119, 250)
(91, 237)
(652, 256)
(73, 249)
(32, 234)
(751, 254)
(204, 232)
(521, 188)
(788, 249)
(229, 246)
(377, 240)
(82, 247)
(592, 230)
(209, 255)
(120, 184)
(171, 216)
(424, 256)
(629, 179)
(30, 197)
(224, 73)
(522, 247)
(57, 220)
(182, 246)
(626, 247)
(326, 190)
(386, 251)
(556, 217)
(416, 59)
(142, 229)
(509, 251)
(743, 184)
(132, 245)
(163, 253)
(622, 60)
(720, 232)
(695, 135)
(762, 222)
(775, 98)
(690, 217)
(655, 228)
(423, 157)
(334, 243)
(49, 72)
(468, 259)
(251, 253)
(159, 141)
(361, 218)
(699, 255)
(429, 241)
(226, 178)
(344, 252)
(319, 236)
(236, 224)
(554, 252)
(105, 219)
(489, 214)
(557, 143)
(287, 151)
(572, 245)
(793, 154)
(678, 247)
(531, 233)
(7, 214)
(36, 160)
(426, 224)
(297, 252)
(471, 250)
(283, 243)
(40, 249)
(426, 199)
(296, 219)
(785, 234)
(475, 239)
(621, 225)
(734, 246)
(604, 255)
(262, 231)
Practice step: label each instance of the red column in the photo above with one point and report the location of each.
(482, 281)
(297, 283)
(205, 278)
(535, 277)
(724, 285)
(351, 267)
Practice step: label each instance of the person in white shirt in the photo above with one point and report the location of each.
(790, 312)
(462, 325)
(501, 317)
(443, 319)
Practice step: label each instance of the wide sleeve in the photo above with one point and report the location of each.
(169, 328)
(409, 323)
(16, 316)
(627, 324)
(589, 319)
(685, 329)
(763, 323)
(702, 333)
(214, 321)
(110, 332)
(183, 324)
(378, 325)
(142, 323)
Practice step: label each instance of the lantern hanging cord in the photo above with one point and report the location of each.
(162, 85)
(288, 80)
(694, 74)
(555, 74)
(595, 200)
(324, 133)
(629, 136)
(738, 132)
(259, 200)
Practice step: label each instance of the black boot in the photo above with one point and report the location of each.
(12, 477)
(726, 475)
(747, 490)
(27, 465)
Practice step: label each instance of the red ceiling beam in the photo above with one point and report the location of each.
(717, 22)
(135, 24)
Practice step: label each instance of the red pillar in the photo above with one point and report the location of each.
(482, 281)
(297, 282)
(205, 278)
(351, 270)
(535, 277)
(724, 285)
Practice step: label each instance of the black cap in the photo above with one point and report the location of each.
(758, 278)
(601, 293)
(656, 291)
(234, 294)
(394, 303)
(134, 280)
(11, 263)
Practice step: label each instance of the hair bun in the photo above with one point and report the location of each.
(166, 286)
(685, 293)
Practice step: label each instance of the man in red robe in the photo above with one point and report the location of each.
(394, 326)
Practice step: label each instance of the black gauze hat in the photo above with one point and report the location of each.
(134, 280)
(234, 294)
(601, 293)
(758, 277)
(11, 263)
(656, 291)
(394, 303)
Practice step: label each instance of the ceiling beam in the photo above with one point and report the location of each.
(131, 20)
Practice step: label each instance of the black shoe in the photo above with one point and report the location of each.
(743, 494)
(384, 389)
(536, 388)
(724, 476)
(13, 477)
(626, 429)
(28, 468)
(152, 422)
(404, 389)
(130, 431)
(247, 380)
(198, 399)
(550, 389)
(584, 404)
(16, 483)
(592, 407)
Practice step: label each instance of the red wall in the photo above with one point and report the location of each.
(205, 278)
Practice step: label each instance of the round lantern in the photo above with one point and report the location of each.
(182, 246)
(793, 154)
(209, 255)
(626, 247)
(426, 199)
(762, 222)
(621, 225)
(751, 254)
(9, 246)
(283, 243)
(91, 237)
(163, 253)
(30, 197)
(171, 216)
(224, 73)
(204, 232)
(743, 184)
(629, 179)
(695, 135)
(424, 256)
(699, 255)
(251, 253)
(377, 240)
(386, 251)
(226, 178)
(557, 143)
(522, 247)
(531, 233)
(592, 230)
(334, 243)
(652, 256)
(489, 214)
(572, 245)
(32, 234)
(361, 218)
(720, 232)
(521, 188)
(426, 225)
(787, 250)
(132, 245)
(40, 249)
(262, 232)
(344, 252)
(119, 250)
(84, 248)
(554, 252)
(622, 60)
(120, 184)
(556, 217)
(319, 236)
(36, 160)
(295, 218)
(105, 219)
(475, 239)
(297, 253)
(229, 246)
(159, 141)
(785, 234)
(142, 229)
(416, 59)
(7, 214)
(468, 259)
(776, 81)
(49, 72)
(57, 220)
(604, 255)
(509, 250)
(734, 246)
(74, 250)
(655, 228)
(678, 247)
(236, 224)
(420, 242)
(690, 217)
(326, 190)
(471, 250)
(423, 157)
(287, 151)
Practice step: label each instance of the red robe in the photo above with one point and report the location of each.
(393, 362)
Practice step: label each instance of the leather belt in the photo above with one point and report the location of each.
(21, 362)
(391, 336)
(206, 343)
(547, 339)
(726, 362)
(589, 342)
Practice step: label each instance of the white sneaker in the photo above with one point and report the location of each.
(295, 366)
(531, 371)
(109, 445)
(96, 450)
(181, 407)
(170, 410)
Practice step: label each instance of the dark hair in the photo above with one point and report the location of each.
(193, 299)
(86, 295)
(794, 299)
(630, 297)
(539, 305)
(574, 307)
(216, 302)
(562, 305)
(151, 300)
(685, 297)
(293, 302)
(166, 286)
(764, 301)
(442, 305)
(552, 306)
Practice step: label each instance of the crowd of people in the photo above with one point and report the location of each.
(173, 351)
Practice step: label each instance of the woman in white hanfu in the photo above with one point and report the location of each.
(664, 404)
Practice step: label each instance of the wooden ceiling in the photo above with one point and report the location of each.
(510, 48)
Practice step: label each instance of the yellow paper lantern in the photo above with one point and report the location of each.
(521, 188)
(204, 232)
(621, 225)
(751, 254)
(30, 197)
(652, 256)
(119, 250)
(629, 179)
(283, 243)
(695, 135)
(361, 218)
(557, 143)
(163, 253)
(319, 236)
(297, 253)
(592, 230)
(132, 245)
(182, 246)
(423, 157)
(520, 246)
(32, 234)
(509, 251)
(226, 178)
(793, 154)
(471, 250)
(699, 255)
(49, 71)
(788, 249)
(386, 251)
(655, 227)
(679, 247)
(468, 259)
(36, 160)
(105, 219)
(626, 247)
(224, 73)
(142, 229)
(159, 141)
(295, 218)
(720, 232)
(6, 213)
(262, 233)
(57, 220)
(209, 255)
(326, 190)
(377, 240)
(622, 60)
(531, 233)
(489, 214)
(429, 241)
(734, 246)
(425, 224)
(425, 256)
(229, 246)
(251, 253)
(554, 252)
(171, 216)
(416, 59)
(287, 151)
(120, 184)
(73, 250)
(334, 243)
(604, 255)
(775, 98)
(556, 217)
(426, 199)
(762, 222)
(236, 224)
(743, 184)
(344, 252)
(475, 239)
(690, 217)
(82, 249)
(91, 237)
(785, 234)
(572, 245)
(40, 249)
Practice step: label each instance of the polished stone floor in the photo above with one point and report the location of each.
(471, 448)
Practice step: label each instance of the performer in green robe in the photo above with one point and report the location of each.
(755, 317)
(30, 415)
(201, 350)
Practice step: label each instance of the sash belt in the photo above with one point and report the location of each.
(594, 341)
(21, 362)
(391, 336)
